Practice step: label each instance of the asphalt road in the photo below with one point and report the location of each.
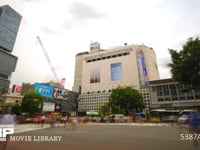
(106, 137)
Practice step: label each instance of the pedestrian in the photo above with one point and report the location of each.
(6, 119)
(102, 119)
(194, 125)
(65, 121)
(73, 123)
(38, 120)
(43, 118)
(194, 122)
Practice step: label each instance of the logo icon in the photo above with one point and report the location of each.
(5, 130)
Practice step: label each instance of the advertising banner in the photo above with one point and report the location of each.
(44, 90)
(116, 71)
(60, 94)
(16, 89)
(142, 69)
(95, 75)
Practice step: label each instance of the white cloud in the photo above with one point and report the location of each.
(67, 27)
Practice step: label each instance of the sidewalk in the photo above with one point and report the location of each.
(31, 127)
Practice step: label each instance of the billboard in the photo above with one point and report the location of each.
(116, 71)
(44, 90)
(95, 75)
(58, 107)
(16, 89)
(61, 94)
(48, 107)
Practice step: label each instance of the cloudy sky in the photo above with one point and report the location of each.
(66, 27)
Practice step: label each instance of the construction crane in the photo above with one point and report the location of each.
(48, 59)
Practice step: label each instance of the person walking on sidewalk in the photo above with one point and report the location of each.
(43, 119)
(65, 120)
(6, 119)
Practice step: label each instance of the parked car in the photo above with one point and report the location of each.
(25, 119)
(170, 118)
(184, 119)
(117, 118)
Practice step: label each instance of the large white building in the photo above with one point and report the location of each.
(99, 71)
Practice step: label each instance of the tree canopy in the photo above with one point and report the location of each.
(185, 66)
(32, 103)
(17, 109)
(127, 98)
(107, 108)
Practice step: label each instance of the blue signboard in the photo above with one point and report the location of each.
(44, 90)
(116, 71)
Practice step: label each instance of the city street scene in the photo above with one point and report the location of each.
(99, 75)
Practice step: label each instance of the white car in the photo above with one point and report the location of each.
(184, 119)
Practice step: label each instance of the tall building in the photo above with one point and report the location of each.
(9, 25)
(99, 71)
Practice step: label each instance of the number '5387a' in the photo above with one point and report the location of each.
(189, 136)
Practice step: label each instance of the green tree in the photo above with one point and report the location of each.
(32, 103)
(17, 109)
(105, 109)
(185, 66)
(127, 99)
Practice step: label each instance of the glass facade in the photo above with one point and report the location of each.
(173, 94)
(9, 25)
(8, 65)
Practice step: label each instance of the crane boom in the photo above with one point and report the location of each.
(48, 59)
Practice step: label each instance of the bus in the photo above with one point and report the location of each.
(165, 115)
